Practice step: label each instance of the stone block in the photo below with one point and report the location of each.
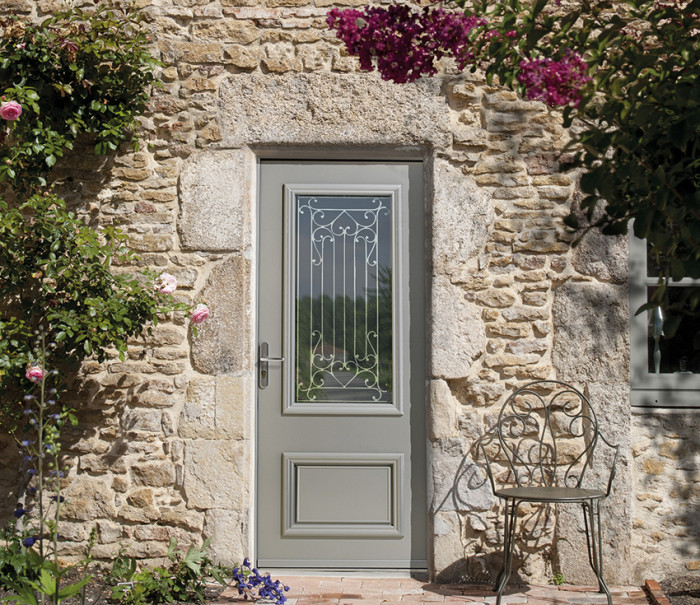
(594, 317)
(216, 475)
(242, 57)
(226, 30)
(462, 213)
(223, 345)
(109, 532)
(88, 498)
(146, 420)
(458, 336)
(182, 517)
(331, 108)
(442, 418)
(281, 58)
(154, 474)
(601, 256)
(216, 193)
(458, 483)
(229, 535)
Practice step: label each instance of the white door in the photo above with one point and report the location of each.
(341, 370)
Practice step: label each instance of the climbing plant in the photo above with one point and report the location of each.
(624, 72)
(77, 74)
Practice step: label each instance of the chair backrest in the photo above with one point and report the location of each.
(547, 432)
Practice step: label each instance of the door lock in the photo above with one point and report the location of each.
(263, 361)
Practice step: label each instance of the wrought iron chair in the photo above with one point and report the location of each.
(544, 443)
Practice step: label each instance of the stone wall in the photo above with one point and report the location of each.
(666, 524)
(166, 441)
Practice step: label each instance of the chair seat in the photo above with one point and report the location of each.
(550, 494)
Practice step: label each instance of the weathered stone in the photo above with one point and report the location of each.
(223, 344)
(458, 332)
(215, 475)
(141, 498)
(442, 419)
(461, 213)
(240, 56)
(226, 529)
(109, 532)
(215, 185)
(154, 474)
(229, 30)
(458, 483)
(88, 498)
(596, 318)
(328, 109)
(281, 58)
(182, 517)
(142, 420)
(495, 298)
(602, 257)
(215, 408)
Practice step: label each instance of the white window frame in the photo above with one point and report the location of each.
(649, 389)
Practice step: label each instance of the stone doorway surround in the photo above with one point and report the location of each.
(500, 285)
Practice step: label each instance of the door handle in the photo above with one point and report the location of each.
(263, 361)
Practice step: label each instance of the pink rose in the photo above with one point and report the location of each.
(166, 283)
(199, 314)
(34, 373)
(10, 110)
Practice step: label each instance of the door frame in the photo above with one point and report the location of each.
(346, 154)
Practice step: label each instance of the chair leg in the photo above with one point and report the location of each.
(594, 539)
(511, 519)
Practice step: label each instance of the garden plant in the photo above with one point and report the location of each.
(623, 72)
(69, 291)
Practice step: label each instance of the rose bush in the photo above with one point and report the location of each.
(78, 73)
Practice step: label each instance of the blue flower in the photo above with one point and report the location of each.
(29, 397)
(29, 542)
(19, 512)
(32, 491)
(26, 443)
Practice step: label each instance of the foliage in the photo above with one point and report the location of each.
(558, 579)
(85, 307)
(626, 73)
(183, 580)
(30, 566)
(76, 73)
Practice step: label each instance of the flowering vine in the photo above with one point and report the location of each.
(627, 72)
(78, 73)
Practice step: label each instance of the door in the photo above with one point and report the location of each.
(341, 367)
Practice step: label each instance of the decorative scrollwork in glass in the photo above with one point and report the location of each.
(344, 299)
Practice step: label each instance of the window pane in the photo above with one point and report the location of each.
(675, 354)
(344, 311)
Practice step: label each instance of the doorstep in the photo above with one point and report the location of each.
(373, 590)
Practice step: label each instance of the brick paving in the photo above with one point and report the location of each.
(353, 590)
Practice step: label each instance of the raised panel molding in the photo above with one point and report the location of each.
(342, 495)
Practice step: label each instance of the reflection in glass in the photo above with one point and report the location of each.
(343, 315)
(672, 353)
